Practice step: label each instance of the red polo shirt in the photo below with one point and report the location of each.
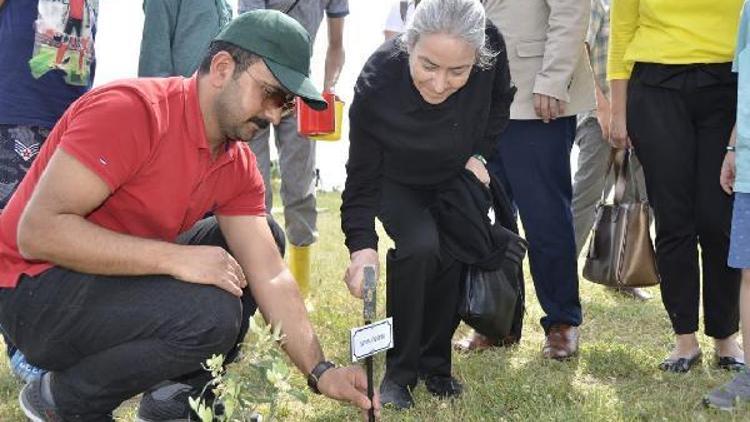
(145, 138)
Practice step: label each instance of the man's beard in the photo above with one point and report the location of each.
(261, 123)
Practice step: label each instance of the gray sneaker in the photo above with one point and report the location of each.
(167, 401)
(34, 406)
(731, 394)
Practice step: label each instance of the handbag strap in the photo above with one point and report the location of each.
(621, 164)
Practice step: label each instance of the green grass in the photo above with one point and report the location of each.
(613, 379)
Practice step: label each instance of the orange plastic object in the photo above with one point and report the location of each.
(336, 134)
(312, 122)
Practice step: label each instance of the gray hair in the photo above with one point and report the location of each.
(464, 19)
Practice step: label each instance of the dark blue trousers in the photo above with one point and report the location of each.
(533, 162)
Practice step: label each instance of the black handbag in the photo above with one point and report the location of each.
(492, 301)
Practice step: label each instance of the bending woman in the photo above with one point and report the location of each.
(426, 105)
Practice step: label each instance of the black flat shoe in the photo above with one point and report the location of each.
(680, 365)
(443, 387)
(730, 363)
(395, 395)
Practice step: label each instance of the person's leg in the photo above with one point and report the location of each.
(441, 318)
(411, 268)
(109, 338)
(168, 400)
(297, 162)
(590, 178)
(663, 135)
(714, 111)
(106, 339)
(534, 161)
(728, 395)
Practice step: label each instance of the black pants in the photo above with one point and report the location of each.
(680, 119)
(422, 287)
(106, 338)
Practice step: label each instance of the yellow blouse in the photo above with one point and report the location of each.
(670, 32)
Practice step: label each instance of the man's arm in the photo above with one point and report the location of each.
(335, 55)
(565, 34)
(53, 228)
(272, 285)
(602, 102)
(281, 304)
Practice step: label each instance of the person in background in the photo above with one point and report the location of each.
(297, 152)
(176, 34)
(592, 138)
(399, 18)
(735, 180)
(112, 278)
(548, 63)
(426, 106)
(674, 99)
(47, 61)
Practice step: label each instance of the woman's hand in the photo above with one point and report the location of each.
(354, 275)
(618, 128)
(726, 179)
(479, 169)
(618, 131)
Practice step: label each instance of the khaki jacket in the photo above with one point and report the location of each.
(545, 41)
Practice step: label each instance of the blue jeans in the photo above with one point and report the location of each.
(533, 163)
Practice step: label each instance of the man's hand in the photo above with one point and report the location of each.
(548, 108)
(208, 265)
(618, 131)
(726, 179)
(354, 275)
(349, 384)
(479, 169)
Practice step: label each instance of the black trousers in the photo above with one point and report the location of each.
(680, 119)
(422, 286)
(107, 338)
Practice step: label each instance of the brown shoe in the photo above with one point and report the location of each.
(633, 292)
(561, 342)
(476, 342)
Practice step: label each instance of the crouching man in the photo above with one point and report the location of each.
(111, 277)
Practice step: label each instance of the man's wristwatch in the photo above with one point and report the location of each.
(730, 148)
(316, 373)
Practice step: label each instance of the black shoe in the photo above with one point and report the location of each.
(443, 387)
(396, 395)
(168, 401)
(34, 406)
(680, 365)
(730, 363)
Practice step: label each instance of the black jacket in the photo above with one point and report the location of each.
(395, 135)
(476, 223)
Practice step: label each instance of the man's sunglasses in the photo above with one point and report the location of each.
(277, 97)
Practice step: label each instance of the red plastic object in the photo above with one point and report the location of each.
(312, 122)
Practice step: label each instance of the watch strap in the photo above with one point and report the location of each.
(316, 373)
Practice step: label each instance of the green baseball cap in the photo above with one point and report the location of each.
(283, 44)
